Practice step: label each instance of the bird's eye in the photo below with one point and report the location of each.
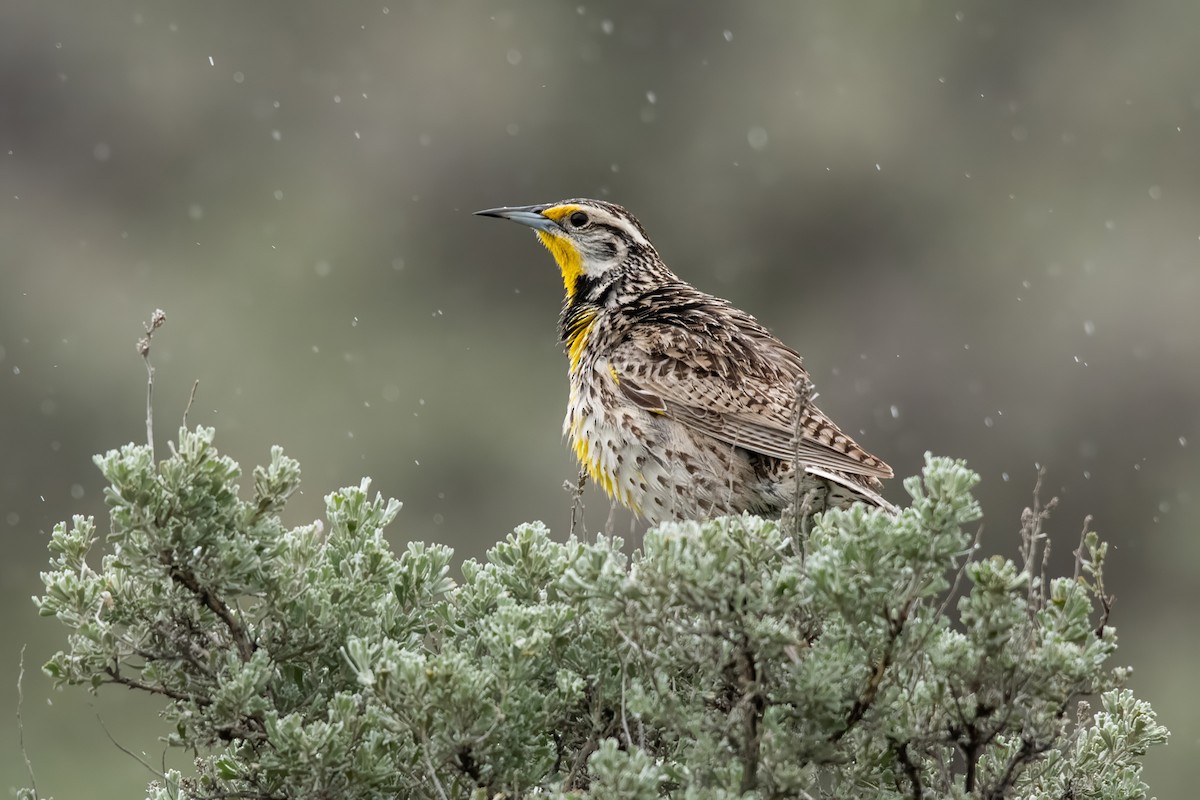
(578, 219)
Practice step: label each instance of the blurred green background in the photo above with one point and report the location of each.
(980, 223)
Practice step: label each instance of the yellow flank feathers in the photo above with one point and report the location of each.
(595, 469)
(577, 342)
(565, 254)
(593, 465)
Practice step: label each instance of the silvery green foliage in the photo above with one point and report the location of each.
(728, 658)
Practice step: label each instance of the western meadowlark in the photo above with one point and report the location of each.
(682, 406)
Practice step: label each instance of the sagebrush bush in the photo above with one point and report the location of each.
(727, 658)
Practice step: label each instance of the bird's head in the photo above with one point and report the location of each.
(591, 240)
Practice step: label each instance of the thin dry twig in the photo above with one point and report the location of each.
(437, 784)
(1087, 523)
(866, 698)
(191, 399)
(804, 390)
(1043, 579)
(1033, 520)
(21, 722)
(1003, 787)
(580, 762)
(753, 705)
(802, 502)
(950, 595)
(962, 568)
(576, 492)
(116, 677)
(1096, 569)
(241, 638)
(143, 347)
(624, 719)
(160, 775)
(649, 655)
(1106, 604)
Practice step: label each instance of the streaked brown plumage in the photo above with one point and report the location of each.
(682, 406)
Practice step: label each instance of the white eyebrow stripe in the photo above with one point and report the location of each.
(624, 225)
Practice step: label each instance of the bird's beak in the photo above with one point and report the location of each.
(524, 215)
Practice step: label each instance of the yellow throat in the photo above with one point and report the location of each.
(566, 255)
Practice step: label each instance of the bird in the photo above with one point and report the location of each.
(680, 405)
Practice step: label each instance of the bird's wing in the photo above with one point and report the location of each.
(736, 383)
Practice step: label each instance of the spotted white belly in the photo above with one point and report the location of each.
(651, 464)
